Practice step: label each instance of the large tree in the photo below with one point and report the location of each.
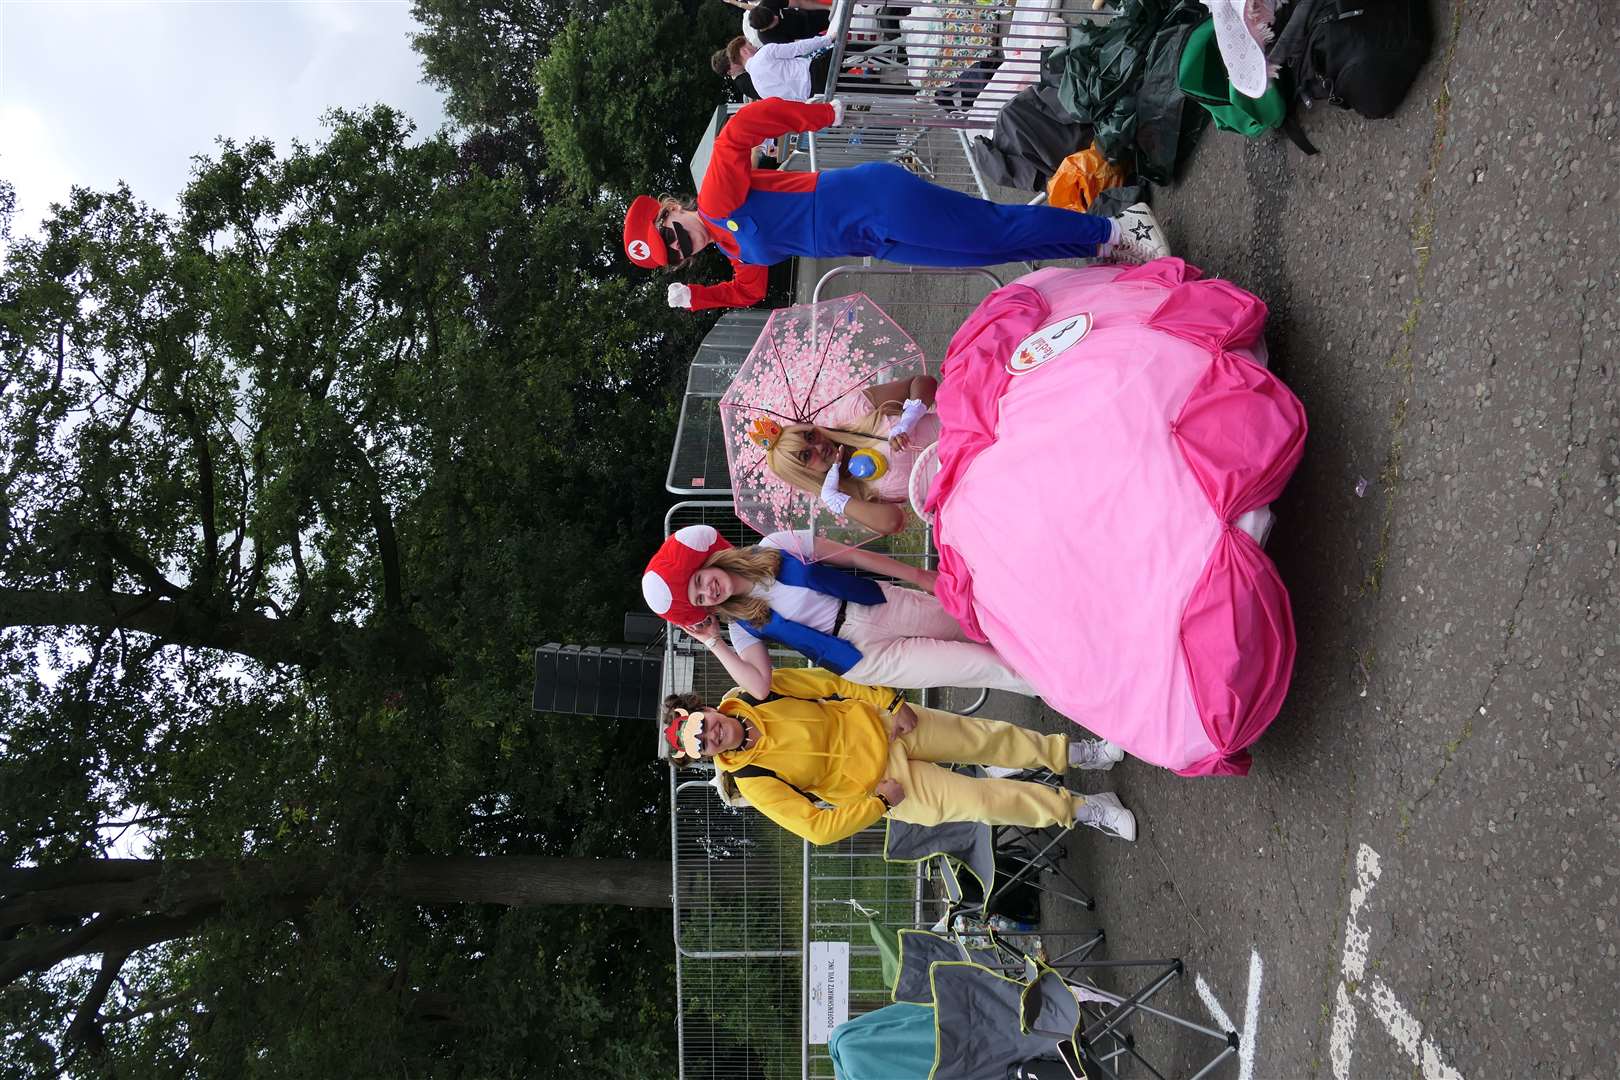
(290, 484)
(482, 53)
(624, 96)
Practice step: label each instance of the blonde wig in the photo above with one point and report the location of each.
(783, 456)
(757, 566)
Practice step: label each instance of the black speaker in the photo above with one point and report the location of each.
(643, 629)
(597, 680)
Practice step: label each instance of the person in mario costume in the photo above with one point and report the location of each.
(865, 752)
(873, 632)
(758, 217)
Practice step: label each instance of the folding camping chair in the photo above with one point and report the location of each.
(1038, 851)
(995, 1013)
(1104, 1039)
(974, 849)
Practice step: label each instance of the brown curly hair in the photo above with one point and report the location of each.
(691, 703)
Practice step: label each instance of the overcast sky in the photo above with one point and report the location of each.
(97, 91)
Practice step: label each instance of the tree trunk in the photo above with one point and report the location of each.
(270, 641)
(531, 880)
(137, 903)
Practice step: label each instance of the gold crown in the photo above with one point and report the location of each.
(765, 431)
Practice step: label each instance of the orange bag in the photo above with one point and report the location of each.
(1081, 178)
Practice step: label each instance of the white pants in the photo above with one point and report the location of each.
(912, 643)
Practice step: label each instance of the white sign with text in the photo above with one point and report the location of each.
(827, 988)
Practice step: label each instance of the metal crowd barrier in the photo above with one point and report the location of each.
(918, 85)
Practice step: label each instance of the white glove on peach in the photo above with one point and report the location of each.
(831, 497)
(911, 412)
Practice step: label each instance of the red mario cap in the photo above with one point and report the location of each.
(641, 240)
(668, 572)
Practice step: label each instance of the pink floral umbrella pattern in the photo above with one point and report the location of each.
(808, 358)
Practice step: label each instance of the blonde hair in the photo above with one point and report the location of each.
(757, 566)
(783, 456)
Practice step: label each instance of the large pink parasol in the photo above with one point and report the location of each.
(809, 358)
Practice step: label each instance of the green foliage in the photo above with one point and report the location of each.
(292, 484)
(624, 97)
(482, 53)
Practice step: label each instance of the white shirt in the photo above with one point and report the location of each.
(783, 71)
(816, 610)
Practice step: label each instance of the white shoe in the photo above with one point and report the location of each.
(1094, 754)
(1104, 813)
(1141, 237)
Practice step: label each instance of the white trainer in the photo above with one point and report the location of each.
(1094, 754)
(1104, 813)
(1141, 237)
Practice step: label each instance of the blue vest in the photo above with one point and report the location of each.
(826, 650)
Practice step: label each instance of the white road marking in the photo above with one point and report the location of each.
(1407, 1032)
(1344, 1033)
(1248, 1040)
(1396, 1018)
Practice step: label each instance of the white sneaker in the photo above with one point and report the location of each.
(1094, 754)
(1141, 237)
(1104, 813)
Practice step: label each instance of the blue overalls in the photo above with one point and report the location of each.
(882, 210)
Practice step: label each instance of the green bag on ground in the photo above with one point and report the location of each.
(1203, 78)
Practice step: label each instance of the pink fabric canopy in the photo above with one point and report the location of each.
(1085, 508)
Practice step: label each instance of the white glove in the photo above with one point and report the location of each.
(910, 413)
(680, 296)
(838, 111)
(831, 497)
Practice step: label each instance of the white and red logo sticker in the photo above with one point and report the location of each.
(639, 249)
(1048, 342)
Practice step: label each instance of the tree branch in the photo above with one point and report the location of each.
(54, 949)
(142, 567)
(176, 622)
(205, 496)
(156, 1005)
(382, 523)
(85, 1028)
(16, 879)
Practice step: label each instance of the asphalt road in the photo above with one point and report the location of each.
(1426, 857)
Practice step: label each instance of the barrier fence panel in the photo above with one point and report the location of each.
(697, 465)
(750, 897)
(917, 86)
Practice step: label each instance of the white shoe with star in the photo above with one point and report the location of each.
(1141, 237)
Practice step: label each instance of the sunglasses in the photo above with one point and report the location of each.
(675, 239)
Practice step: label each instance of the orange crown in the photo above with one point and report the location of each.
(765, 431)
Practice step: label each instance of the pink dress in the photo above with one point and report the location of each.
(891, 487)
(1091, 510)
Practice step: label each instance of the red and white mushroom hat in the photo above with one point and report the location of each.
(670, 570)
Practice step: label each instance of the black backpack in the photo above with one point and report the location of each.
(1359, 54)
